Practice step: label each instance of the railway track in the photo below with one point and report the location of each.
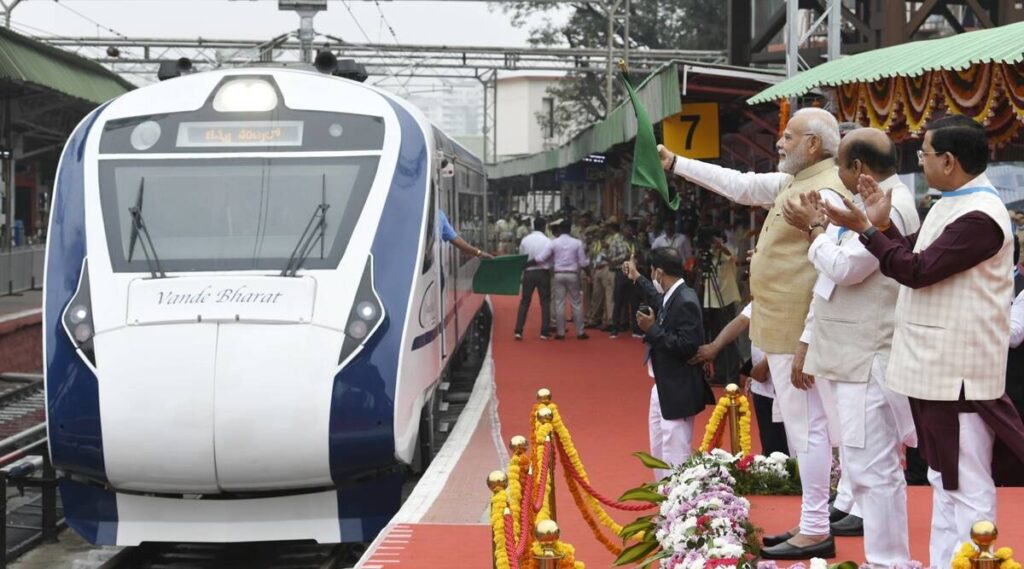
(31, 511)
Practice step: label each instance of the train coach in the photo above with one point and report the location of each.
(248, 306)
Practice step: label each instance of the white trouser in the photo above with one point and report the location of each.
(567, 284)
(844, 496)
(809, 439)
(954, 511)
(670, 438)
(871, 465)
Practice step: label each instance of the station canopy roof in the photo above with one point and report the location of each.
(25, 62)
(1004, 44)
(661, 94)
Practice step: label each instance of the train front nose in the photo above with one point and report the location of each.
(230, 393)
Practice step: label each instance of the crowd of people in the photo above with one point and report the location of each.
(875, 327)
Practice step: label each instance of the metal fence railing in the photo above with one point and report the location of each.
(21, 269)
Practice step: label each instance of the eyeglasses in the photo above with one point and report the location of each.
(921, 153)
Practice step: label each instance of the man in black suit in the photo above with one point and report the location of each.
(672, 335)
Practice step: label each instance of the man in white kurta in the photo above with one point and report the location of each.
(781, 281)
(849, 331)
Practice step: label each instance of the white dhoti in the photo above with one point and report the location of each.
(954, 511)
(670, 438)
(871, 462)
(811, 424)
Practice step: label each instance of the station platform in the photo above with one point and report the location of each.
(21, 341)
(602, 390)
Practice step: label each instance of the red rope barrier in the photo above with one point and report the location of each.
(510, 549)
(524, 517)
(571, 468)
(542, 488)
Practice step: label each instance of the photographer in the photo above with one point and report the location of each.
(672, 338)
(721, 296)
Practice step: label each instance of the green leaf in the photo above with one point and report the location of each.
(653, 561)
(642, 495)
(843, 565)
(634, 553)
(641, 524)
(651, 462)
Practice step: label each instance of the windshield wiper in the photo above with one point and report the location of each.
(139, 227)
(315, 230)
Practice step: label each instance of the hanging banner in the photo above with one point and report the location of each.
(693, 132)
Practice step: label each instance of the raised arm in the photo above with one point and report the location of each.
(740, 187)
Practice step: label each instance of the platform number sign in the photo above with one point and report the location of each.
(693, 132)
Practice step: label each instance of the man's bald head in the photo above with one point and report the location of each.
(866, 151)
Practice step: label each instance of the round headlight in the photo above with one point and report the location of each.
(145, 135)
(83, 332)
(78, 314)
(358, 329)
(366, 310)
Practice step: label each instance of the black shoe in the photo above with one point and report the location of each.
(851, 525)
(583, 336)
(835, 514)
(770, 540)
(545, 337)
(519, 335)
(560, 336)
(785, 550)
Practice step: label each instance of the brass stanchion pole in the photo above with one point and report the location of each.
(733, 392)
(547, 533)
(984, 534)
(496, 482)
(545, 416)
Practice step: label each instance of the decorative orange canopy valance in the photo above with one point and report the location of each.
(990, 93)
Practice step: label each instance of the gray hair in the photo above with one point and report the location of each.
(825, 126)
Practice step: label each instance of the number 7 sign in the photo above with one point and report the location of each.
(693, 132)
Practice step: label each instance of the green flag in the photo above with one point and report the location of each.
(647, 171)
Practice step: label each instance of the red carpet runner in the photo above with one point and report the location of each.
(603, 390)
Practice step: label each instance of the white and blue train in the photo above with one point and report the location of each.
(247, 306)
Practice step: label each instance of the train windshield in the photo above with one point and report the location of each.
(232, 214)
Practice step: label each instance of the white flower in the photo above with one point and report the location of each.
(779, 457)
(818, 563)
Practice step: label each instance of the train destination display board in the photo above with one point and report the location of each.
(238, 133)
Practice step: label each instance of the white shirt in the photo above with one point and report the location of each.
(534, 245)
(1017, 321)
(847, 264)
(765, 389)
(664, 302)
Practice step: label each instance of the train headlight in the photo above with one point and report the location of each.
(245, 95)
(366, 310)
(364, 319)
(145, 135)
(77, 317)
(357, 329)
(78, 313)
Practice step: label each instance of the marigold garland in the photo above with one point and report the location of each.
(715, 426)
(499, 501)
(967, 554)
(588, 517)
(574, 458)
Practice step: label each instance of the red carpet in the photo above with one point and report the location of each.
(603, 390)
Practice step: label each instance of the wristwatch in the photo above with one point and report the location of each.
(869, 232)
(813, 225)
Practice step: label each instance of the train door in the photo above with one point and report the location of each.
(449, 260)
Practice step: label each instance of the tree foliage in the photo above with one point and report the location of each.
(653, 24)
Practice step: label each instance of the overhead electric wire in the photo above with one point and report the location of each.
(81, 15)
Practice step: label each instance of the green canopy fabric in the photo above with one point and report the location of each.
(1004, 44)
(28, 61)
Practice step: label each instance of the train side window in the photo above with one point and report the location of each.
(428, 241)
